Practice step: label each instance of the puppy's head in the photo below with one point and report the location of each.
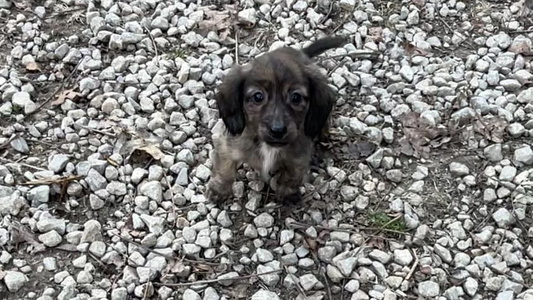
(279, 96)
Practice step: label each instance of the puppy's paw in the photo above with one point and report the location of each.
(292, 199)
(219, 193)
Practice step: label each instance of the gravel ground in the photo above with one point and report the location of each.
(423, 189)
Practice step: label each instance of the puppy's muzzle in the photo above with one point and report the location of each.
(277, 130)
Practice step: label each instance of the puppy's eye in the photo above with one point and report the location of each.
(258, 97)
(296, 98)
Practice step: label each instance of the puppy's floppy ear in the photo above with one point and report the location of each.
(321, 98)
(230, 101)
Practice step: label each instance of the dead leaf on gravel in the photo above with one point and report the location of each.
(413, 50)
(20, 234)
(218, 21)
(492, 129)
(64, 95)
(418, 134)
(138, 146)
(375, 34)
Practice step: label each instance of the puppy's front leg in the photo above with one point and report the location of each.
(288, 181)
(220, 187)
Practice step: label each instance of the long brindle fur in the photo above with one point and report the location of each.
(273, 109)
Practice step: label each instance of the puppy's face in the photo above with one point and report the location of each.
(279, 96)
(276, 99)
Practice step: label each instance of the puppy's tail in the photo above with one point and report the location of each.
(322, 45)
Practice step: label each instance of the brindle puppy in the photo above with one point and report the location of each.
(273, 109)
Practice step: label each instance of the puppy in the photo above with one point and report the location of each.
(273, 109)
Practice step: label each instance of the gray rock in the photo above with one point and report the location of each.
(23, 100)
(508, 173)
(428, 289)
(97, 248)
(524, 155)
(265, 295)
(264, 220)
(308, 281)
(119, 293)
(95, 180)
(493, 152)
(403, 257)
(224, 219)
(470, 286)
(348, 192)
(20, 145)
(505, 295)
(155, 224)
(57, 162)
(14, 280)
(91, 232)
(247, 16)
(160, 22)
(211, 294)
(459, 169)
(50, 238)
(191, 295)
(503, 217)
(48, 224)
(152, 190)
(39, 194)
(516, 130)
(117, 188)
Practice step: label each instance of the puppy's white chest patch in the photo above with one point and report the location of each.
(269, 156)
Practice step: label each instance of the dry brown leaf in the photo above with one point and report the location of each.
(153, 150)
(64, 95)
(411, 50)
(218, 21)
(419, 135)
(33, 66)
(492, 129)
(375, 34)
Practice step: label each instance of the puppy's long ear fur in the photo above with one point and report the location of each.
(321, 100)
(230, 101)
(321, 95)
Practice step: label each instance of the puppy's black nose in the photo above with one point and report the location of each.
(278, 130)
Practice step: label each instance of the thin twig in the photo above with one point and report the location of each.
(96, 130)
(7, 161)
(377, 229)
(48, 181)
(446, 24)
(327, 284)
(200, 282)
(325, 18)
(413, 267)
(61, 87)
(153, 42)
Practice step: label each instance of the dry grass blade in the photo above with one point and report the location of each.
(20, 234)
(53, 180)
(199, 282)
